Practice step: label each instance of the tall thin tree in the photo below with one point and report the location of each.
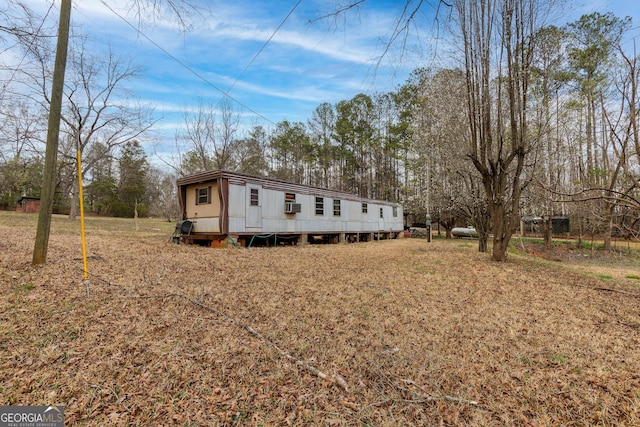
(57, 88)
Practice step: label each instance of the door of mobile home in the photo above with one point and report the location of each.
(381, 219)
(253, 218)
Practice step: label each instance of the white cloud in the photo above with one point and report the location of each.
(304, 65)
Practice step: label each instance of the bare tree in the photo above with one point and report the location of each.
(441, 138)
(199, 137)
(549, 78)
(21, 130)
(179, 10)
(605, 186)
(498, 48)
(163, 192)
(21, 154)
(225, 146)
(211, 135)
(95, 112)
(44, 219)
(622, 190)
(497, 44)
(94, 109)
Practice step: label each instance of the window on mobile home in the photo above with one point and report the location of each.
(381, 213)
(253, 198)
(365, 208)
(336, 207)
(203, 195)
(395, 211)
(319, 206)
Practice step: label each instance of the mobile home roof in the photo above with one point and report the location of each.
(274, 184)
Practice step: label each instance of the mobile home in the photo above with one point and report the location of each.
(218, 205)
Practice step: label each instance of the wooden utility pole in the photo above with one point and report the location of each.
(53, 132)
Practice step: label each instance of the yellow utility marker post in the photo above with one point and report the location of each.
(84, 240)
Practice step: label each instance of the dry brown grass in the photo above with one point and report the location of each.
(422, 333)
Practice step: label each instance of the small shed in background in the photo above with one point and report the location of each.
(28, 205)
(532, 225)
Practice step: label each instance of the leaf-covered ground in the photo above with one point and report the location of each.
(390, 333)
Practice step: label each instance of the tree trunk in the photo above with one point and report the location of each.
(580, 230)
(497, 114)
(75, 200)
(482, 223)
(609, 221)
(502, 222)
(448, 225)
(547, 228)
(499, 252)
(483, 245)
(607, 238)
(135, 214)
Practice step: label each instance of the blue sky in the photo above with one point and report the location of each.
(304, 64)
(308, 60)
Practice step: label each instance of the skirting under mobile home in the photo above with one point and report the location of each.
(221, 206)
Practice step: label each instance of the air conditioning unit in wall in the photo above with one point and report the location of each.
(292, 207)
